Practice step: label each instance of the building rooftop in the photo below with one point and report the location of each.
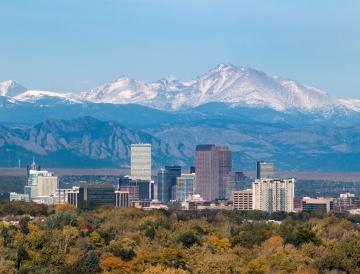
(204, 147)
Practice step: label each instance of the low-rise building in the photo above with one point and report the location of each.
(19, 197)
(242, 199)
(319, 205)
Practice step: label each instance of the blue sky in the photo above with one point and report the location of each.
(69, 45)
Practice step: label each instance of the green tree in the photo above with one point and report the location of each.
(23, 225)
(188, 239)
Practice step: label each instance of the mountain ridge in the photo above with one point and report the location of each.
(226, 83)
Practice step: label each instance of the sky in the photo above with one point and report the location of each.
(72, 46)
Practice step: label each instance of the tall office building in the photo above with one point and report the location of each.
(273, 194)
(166, 182)
(41, 185)
(264, 170)
(185, 185)
(225, 167)
(207, 172)
(141, 161)
(213, 164)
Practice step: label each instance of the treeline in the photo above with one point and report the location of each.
(109, 240)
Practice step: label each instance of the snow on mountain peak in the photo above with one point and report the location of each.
(36, 95)
(11, 88)
(225, 83)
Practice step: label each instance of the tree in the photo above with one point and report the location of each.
(90, 262)
(23, 225)
(257, 266)
(96, 239)
(21, 255)
(188, 239)
(218, 245)
(114, 264)
(123, 248)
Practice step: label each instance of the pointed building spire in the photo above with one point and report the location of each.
(33, 164)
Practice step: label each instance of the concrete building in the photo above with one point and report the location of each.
(122, 199)
(133, 191)
(213, 164)
(185, 185)
(19, 197)
(166, 180)
(319, 205)
(264, 170)
(62, 195)
(242, 199)
(273, 194)
(141, 162)
(41, 185)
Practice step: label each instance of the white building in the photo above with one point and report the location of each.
(141, 161)
(41, 185)
(185, 185)
(19, 197)
(273, 194)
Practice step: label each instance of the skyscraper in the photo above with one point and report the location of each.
(225, 167)
(274, 194)
(166, 180)
(213, 166)
(264, 170)
(141, 161)
(185, 185)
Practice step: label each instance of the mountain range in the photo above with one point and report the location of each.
(226, 83)
(261, 117)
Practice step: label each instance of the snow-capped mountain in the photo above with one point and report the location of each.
(46, 96)
(11, 88)
(226, 83)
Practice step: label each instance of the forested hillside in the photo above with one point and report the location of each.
(108, 240)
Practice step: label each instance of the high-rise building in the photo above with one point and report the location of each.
(264, 170)
(274, 194)
(141, 162)
(213, 165)
(41, 185)
(166, 181)
(225, 167)
(242, 199)
(207, 172)
(185, 185)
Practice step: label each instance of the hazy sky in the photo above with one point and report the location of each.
(69, 45)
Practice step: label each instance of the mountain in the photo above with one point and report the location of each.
(11, 88)
(89, 142)
(81, 142)
(260, 117)
(226, 83)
